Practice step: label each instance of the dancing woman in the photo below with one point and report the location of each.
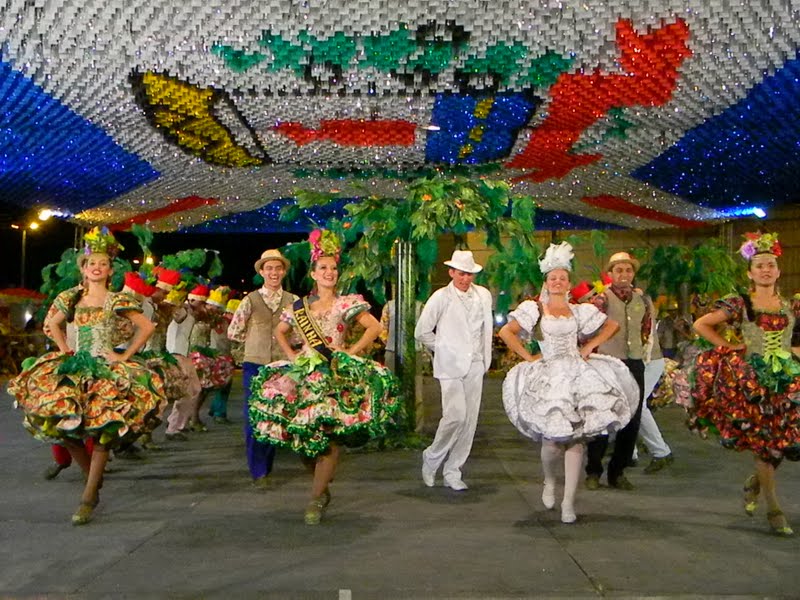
(566, 395)
(98, 392)
(325, 395)
(750, 391)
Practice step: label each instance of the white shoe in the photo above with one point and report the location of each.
(428, 475)
(549, 495)
(456, 485)
(568, 514)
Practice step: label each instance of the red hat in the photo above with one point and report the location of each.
(135, 283)
(582, 292)
(200, 292)
(167, 278)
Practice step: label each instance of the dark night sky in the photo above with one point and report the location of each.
(44, 246)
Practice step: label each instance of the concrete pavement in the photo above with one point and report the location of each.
(186, 523)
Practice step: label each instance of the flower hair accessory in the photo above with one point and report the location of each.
(760, 243)
(557, 257)
(101, 241)
(324, 243)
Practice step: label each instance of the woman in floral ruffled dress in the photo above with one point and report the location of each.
(326, 394)
(750, 391)
(98, 392)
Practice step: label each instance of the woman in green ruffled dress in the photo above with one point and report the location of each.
(325, 395)
(98, 392)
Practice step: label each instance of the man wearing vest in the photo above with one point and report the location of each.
(253, 323)
(456, 324)
(633, 311)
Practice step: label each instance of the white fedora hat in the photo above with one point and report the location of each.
(462, 260)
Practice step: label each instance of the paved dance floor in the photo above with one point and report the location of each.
(185, 522)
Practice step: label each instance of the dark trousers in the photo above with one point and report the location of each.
(626, 437)
(260, 456)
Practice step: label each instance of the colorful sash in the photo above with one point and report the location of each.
(308, 327)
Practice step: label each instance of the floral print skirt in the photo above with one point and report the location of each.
(728, 394)
(72, 397)
(306, 404)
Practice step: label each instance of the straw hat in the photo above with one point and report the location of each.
(463, 260)
(271, 254)
(621, 257)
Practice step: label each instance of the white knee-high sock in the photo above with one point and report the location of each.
(573, 468)
(551, 456)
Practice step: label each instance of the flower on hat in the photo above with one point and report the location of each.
(760, 243)
(101, 241)
(324, 243)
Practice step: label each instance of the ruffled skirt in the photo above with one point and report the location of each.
(305, 404)
(214, 370)
(745, 408)
(72, 397)
(569, 399)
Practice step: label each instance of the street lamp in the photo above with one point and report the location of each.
(33, 226)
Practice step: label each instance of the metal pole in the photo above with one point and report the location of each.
(22, 259)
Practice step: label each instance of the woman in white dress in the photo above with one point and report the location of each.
(565, 395)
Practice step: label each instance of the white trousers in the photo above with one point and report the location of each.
(461, 402)
(648, 428)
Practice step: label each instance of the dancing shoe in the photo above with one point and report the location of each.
(752, 487)
(199, 427)
(659, 463)
(325, 496)
(778, 525)
(428, 475)
(313, 514)
(53, 470)
(85, 512)
(568, 514)
(457, 485)
(592, 482)
(549, 495)
(621, 483)
(261, 483)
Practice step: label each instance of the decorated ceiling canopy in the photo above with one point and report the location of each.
(198, 115)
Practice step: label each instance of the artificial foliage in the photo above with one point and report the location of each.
(707, 268)
(433, 206)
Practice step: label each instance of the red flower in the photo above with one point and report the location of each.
(328, 339)
(340, 327)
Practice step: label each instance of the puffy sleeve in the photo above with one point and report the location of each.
(123, 302)
(287, 316)
(590, 318)
(733, 305)
(65, 303)
(351, 306)
(526, 314)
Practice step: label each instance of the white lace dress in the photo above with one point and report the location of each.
(563, 397)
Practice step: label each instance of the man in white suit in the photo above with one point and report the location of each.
(456, 324)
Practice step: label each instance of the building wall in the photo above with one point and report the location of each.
(785, 222)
